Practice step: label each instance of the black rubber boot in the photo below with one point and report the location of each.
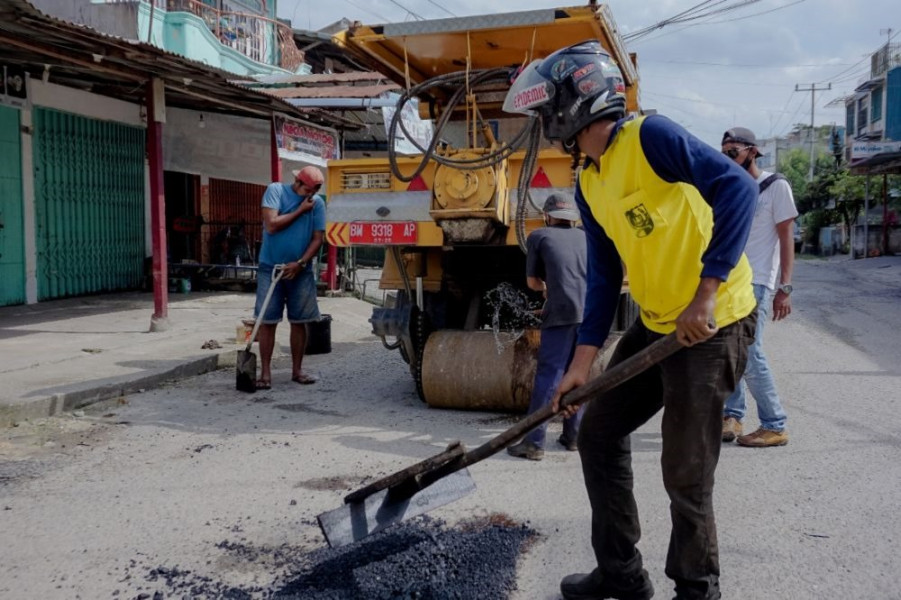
(704, 590)
(592, 586)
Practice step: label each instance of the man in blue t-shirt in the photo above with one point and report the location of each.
(556, 263)
(293, 229)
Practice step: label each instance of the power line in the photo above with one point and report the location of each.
(864, 59)
(410, 12)
(745, 65)
(371, 12)
(708, 22)
(433, 3)
(751, 83)
(698, 12)
(757, 14)
(685, 99)
(784, 111)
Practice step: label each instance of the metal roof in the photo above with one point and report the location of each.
(83, 58)
(420, 50)
(351, 77)
(334, 91)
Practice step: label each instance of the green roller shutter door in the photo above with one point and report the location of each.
(89, 204)
(12, 239)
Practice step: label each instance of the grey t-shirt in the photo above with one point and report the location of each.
(558, 255)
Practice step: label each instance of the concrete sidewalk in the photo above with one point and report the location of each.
(59, 355)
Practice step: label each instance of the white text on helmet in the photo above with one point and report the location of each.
(531, 96)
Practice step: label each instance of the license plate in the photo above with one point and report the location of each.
(383, 233)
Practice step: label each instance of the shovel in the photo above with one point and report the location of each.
(443, 478)
(246, 363)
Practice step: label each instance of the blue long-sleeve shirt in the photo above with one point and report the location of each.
(675, 155)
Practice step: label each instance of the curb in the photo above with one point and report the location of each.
(55, 404)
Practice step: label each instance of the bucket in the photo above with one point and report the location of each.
(243, 329)
(319, 336)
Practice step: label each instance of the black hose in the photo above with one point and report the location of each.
(525, 178)
(458, 80)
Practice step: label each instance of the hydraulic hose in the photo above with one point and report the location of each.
(458, 80)
(525, 178)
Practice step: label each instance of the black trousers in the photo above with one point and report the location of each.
(691, 386)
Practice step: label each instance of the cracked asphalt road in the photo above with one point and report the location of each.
(88, 505)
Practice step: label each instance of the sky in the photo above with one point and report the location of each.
(737, 68)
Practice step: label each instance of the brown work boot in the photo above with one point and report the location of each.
(526, 449)
(763, 438)
(593, 586)
(731, 429)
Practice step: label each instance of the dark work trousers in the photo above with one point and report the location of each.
(691, 386)
(555, 352)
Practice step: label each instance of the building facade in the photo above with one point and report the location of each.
(873, 116)
(239, 36)
(76, 164)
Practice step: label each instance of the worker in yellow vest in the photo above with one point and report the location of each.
(676, 212)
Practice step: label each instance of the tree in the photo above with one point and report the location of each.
(794, 164)
(848, 191)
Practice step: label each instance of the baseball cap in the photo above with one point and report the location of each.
(741, 135)
(309, 176)
(561, 207)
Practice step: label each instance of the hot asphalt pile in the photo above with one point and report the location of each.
(421, 559)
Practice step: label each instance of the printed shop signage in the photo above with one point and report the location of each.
(13, 90)
(861, 151)
(303, 142)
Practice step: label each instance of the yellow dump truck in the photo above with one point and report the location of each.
(454, 218)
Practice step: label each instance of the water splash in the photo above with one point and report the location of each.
(512, 312)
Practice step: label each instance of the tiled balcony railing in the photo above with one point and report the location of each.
(257, 37)
(885, 59)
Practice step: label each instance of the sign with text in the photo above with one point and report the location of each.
(861, 151)
(303, 142)
(13, 89)
(420, 130)
(383, 233)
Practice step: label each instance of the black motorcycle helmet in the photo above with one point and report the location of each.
(569, 89)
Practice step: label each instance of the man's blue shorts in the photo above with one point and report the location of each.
(298, 295)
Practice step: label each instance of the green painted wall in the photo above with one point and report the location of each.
(12, 228)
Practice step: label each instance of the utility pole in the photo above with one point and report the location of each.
(813, 89)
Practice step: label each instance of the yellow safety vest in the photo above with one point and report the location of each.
(660, 230)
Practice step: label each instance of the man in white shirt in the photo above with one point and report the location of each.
(770, 244)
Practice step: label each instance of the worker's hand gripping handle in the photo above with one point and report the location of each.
(609, 379)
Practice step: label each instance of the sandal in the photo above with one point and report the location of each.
(304, 379)
(263, 384)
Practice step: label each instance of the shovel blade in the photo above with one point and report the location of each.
(246, 375)
(353, 522)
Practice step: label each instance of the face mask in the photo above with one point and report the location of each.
(733, 153)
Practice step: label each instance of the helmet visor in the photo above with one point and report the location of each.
(530, 90)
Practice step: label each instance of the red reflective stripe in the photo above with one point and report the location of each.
(417, 185)
(540, 180)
